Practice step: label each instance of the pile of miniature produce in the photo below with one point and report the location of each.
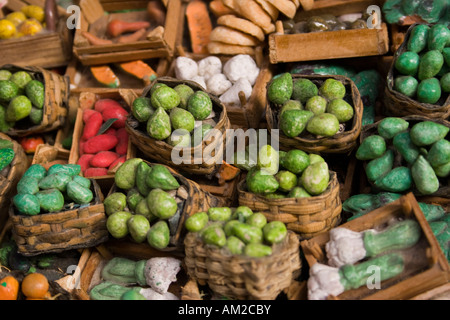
(34, 286)
(422, 71)
(238, 231)
(423, 11)
(59, 188)
(224, 80)
(21, 100)
(326, 22)
(30, 20)
(350, 253)
(147, 204)
(305, 107)
(104, 140)
(436, 215)
(122, 32)
(181, 116)
(7, 155)
(279, 174)
(402, 157)
(125, 279)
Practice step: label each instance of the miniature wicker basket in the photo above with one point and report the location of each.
(305, 216)
(342, 142)
(8, 184)
(197, 200)
(61, 231)
(55, 101)
(161, 152)
(397, 104)
(240, 277)
(444, 186)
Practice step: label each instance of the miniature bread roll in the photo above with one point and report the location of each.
(232, 36)
(215, 47)
(287, 7)
(252, 11)
(242, 25)
(307, 4)
(269, 8)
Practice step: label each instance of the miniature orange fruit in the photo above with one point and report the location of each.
(35, 286)
(9, 288)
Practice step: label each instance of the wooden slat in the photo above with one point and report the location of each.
(123, 56)
(314, 46)
(92, 10)
(117, 47)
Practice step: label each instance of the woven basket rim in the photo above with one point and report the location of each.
(346, 138)
(405, 101)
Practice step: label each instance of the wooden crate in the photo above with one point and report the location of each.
(249, 113)
(329, 44)
(117, 5)
(426, 267)
(122, 95)
(94, 19)
(46, 155)
(94, 259)
(46, 49)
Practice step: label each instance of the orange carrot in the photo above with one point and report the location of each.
(94, 40)
(132, 37)
(200, 26)
(118, 27)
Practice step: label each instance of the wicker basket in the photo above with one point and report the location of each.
(397, 104)
(444, 185)
(305, 216)
(55, 102)
(161, 152)
(61, 231)
(8, 184)
(342, 142)
(240, 277)
(197, 200)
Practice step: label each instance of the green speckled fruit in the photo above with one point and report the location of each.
(430, 64)
(341, 109)
(158, 126)
(445, 82)
(51, 200)
(315, 178)
(182, 119)
(165, 97)
(407, 63)
(281, 88)
(294, 122)
(390, 126)
(303, 90)
(418, 38)
(427, 132)
(406, 85)
(398, 179)
(200, 105)
(332, 89)
(6, 157)
(325, 124)
(372, 147)
(316, 105)
(429, 91)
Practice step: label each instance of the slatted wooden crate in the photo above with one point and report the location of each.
(46, 49)
(159, 42)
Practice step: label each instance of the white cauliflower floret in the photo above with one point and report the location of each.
(185, 68)
(231, 96)
(218, 84)
(161, 272)
(200, 80)
(344, 247)
(209, 67)
(241, 66)
(323, 281)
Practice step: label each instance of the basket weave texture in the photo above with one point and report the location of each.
(55, 101)
(240, 277)
(61, 231)
(161, 151)
(305, 216)
(8, 184)
(397, 104)
(342, 142)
